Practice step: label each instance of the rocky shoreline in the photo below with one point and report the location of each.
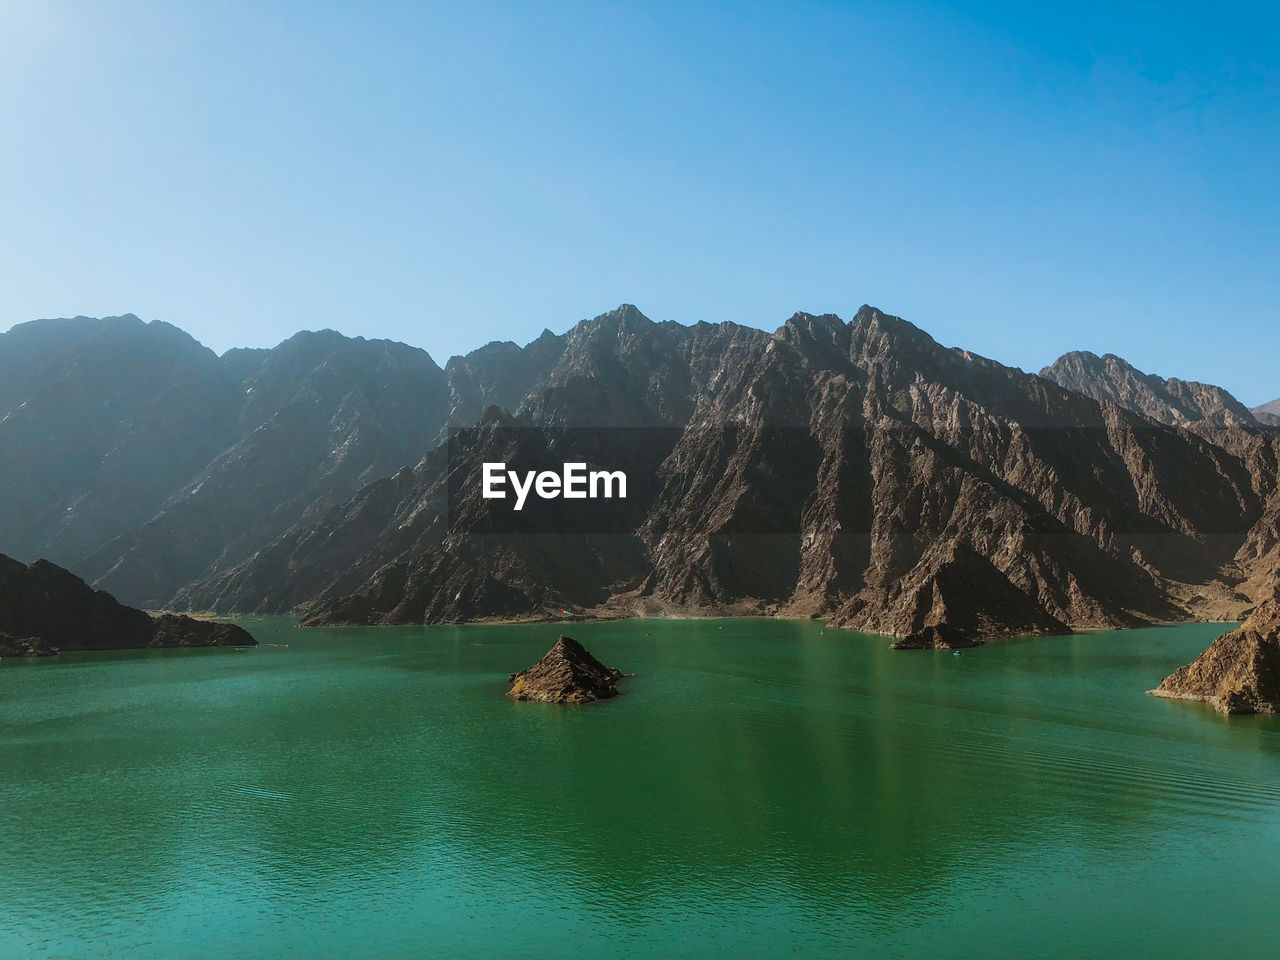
(927, 639)
(45, 610)
(1239, 672)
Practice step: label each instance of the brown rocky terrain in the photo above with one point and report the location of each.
(1173, 401)
(857, 471)
(566, 673)
(1212, 413)
(45, 609)
(1268, 413)
(1240, 672)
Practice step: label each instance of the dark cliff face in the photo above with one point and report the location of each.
(1258, 559)
(500, 375)
(1248, 436)
(45, 609)
(322, 417)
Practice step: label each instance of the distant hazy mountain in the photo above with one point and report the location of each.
(101, 421)
(1268, 413)
(1173, 401)
(138, 458)
(858, 471)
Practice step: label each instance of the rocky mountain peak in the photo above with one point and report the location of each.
(826, 333)
(1268, 413)
(566, 673)
(876, 336)
(1175, 402)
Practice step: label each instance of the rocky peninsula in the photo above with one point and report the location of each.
(1240, 672)
(567, 673)
(45, 609)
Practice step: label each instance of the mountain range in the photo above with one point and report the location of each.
(857, 471)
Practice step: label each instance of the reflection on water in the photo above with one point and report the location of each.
(762, 789)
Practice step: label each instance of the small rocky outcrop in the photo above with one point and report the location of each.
(11, 646)
(567, 673)
(45, 609)
(1240, 672)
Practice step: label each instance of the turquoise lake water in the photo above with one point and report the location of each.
(761, 789)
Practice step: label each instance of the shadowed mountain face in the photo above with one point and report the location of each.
(100, 422)
(45, 609)
(858, 471)
(144, 461)
(320, 418)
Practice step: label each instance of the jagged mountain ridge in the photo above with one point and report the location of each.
(914, 478)
(320, 418)
(1172, 401)
(1213, 413)
(855, 470)
(142, 460)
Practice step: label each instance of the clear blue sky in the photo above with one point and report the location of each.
(1020, 179)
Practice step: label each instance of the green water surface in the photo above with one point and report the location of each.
(761, 789)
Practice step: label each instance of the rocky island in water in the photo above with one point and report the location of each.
(567, 673)
(45, 609)
(1240, 672)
